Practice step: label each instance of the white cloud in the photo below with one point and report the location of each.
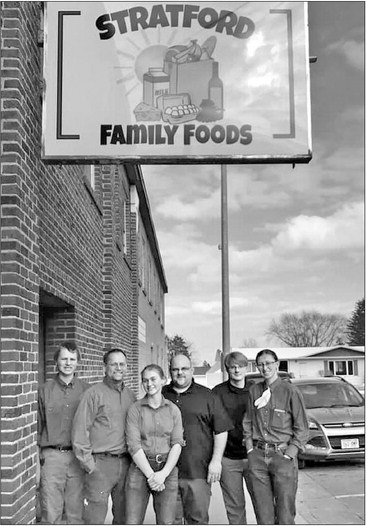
(353, 51)
(340, 231)
(215, 307)
(176, 208)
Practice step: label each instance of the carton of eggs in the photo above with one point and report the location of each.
(182, 109)
(177, 108)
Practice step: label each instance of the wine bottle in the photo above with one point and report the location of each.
(216, 90)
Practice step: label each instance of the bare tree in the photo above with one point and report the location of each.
(309, 329)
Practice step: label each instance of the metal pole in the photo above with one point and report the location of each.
(225, 269)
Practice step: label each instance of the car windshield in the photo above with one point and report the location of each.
(330, 395)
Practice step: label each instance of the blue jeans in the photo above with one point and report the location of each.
(108, 478)
(231, 482)
(137, 497)
(193, 501)
(61, 485)
(274, 481)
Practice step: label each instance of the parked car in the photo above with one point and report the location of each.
(335, 410)
(254, 378)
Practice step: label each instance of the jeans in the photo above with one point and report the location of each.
(108, 478)
(274, 481)
(61, 485)
(231, 482)
(193, 501)
(138, 493)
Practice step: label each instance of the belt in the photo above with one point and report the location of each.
(113, 455)
(59, 448)
(259, 444)
(157, 458)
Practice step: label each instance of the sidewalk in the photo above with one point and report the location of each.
(315, 505)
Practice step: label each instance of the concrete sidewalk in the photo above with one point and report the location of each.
(315, 505)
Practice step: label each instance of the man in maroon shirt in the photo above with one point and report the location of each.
(62, 479)
(99, 442)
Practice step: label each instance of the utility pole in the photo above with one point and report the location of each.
(224, 270)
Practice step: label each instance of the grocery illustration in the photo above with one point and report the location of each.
(187, 87)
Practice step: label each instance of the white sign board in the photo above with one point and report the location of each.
(195, 82)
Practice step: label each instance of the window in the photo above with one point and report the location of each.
(142, 330)
(90, 176)
(92, 183)
(252, 368)
(283, 366)
(149, 281)
(342, 367)
(121, 227)
(124, 228)
(141, 261)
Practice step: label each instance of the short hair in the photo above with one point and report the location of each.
(179, 353)
(237, 357)
(70, 346)
(153, 367)
(110, 351)
(266, 351)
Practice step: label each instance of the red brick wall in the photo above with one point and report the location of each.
(60, 258)
(20, 147)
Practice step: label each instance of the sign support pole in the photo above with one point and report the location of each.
(224, 270)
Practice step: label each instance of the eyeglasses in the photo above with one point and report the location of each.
(115, 364)
(265, 364)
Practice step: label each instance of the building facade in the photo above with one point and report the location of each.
(304, 362)
(70, 261)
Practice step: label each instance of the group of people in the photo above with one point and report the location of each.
(97, 441)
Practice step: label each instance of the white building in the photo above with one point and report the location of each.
(341, 360)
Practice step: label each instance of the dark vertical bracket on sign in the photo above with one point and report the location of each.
(60, 57)
(291, 134)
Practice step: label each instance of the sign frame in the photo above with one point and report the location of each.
(54, 103)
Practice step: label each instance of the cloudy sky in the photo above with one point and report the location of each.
(296, 235)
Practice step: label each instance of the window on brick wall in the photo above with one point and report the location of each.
(124, 227)
(91, 180)
(149, 281)
(142, 260)
(142, 330)
(90, 176)
(161, 305)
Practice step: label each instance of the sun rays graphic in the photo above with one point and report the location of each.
(136, 57)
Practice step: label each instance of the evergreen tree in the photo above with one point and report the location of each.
(356, 325)
(177, 344)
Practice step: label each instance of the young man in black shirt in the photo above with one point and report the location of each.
(234, 398)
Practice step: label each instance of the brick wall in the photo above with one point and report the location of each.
(69, 267)
(20, 109)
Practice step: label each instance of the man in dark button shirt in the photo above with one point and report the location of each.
(275, 429)
(205, 424)
(62, 479)
(234, 397)
(99, 442)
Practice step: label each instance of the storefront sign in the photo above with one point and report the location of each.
(195, 82)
